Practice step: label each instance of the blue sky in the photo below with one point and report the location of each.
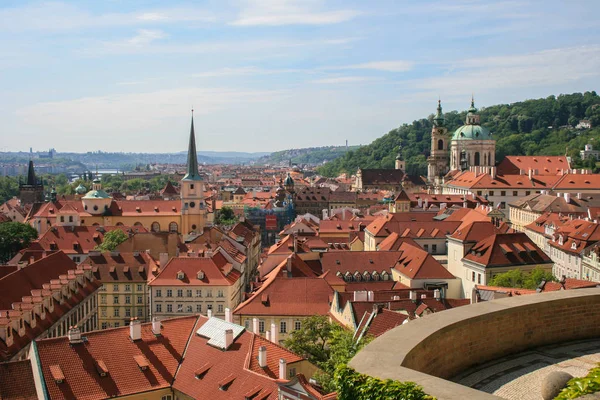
(265, 75)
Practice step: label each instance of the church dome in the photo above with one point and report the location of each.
(289, 181)
(96, 194)
(80, 189)
(472, 132)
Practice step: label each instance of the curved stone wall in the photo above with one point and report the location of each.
(434, 348)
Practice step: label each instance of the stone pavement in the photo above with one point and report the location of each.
(519, 376)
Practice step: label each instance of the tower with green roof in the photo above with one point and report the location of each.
(193, 206)
(438, 161)
(474, 142)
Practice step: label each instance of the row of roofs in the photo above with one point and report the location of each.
(193, 356)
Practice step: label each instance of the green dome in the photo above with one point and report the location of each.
(289, 181)
(80, 189)
(472, 132)
(96, 194)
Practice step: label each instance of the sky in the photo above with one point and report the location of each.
(267, 75)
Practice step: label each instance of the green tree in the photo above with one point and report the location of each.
(516, 278)
(325, 344)
(9, 187)
(226, 216)
(112, 240)
(14, 236)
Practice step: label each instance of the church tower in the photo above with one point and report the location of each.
(438, 161)
(193, 206)
(33, 190)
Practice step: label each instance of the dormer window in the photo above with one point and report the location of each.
(200, 275)
(560, 240)
(573, 245)
(180, 275)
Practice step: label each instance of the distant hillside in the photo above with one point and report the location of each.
(531, 127)
(311, 155)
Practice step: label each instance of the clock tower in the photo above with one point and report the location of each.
(193, 206)
(438, 161)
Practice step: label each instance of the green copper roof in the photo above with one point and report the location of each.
(472, 109)
(192, 159)
(438, 119)
(472, 132)
(289, 181)
(96, 194)
(80, 189)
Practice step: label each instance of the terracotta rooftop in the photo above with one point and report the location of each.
(505, 249)
(416, 263)
(16, 381)
(194, 268)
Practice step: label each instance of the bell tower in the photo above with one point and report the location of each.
(438, 161)
(193, 206)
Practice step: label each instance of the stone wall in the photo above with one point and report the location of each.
(443, 344)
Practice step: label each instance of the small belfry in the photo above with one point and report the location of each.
(438, 161)
(193, 206)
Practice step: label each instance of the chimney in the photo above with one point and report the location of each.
(579, 196)
(262, 356)
(228, 338)
(412, 295)
(557, 194)
(74, 335)
(370, 296)
(423, 296)
(425, 203)
(135, 329)
(567, 197)
(295, 242)
(282, 369)
(228, 315)
(437, 294)
(530, 174)
(156, 326)
(493, 172)
(289, 262)
(163, 259)
(268, 335)
(419, 202)
(209, 313)
(31, 260)
(255, 326)
(274, 334)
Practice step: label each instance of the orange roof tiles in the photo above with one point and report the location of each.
(500, 250)
(416, 263)
(190, 266)
(16, 381)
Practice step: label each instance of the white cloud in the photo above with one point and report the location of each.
(146, 36)
(346, 79)
(290, 12)
(388, 66)
(243, 71)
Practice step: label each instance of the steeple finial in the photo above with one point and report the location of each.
(472, 100)
(438, 119)
(192, 159)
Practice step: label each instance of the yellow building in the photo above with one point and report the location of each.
(189, 215)
(124, 293)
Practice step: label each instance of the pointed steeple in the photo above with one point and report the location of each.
(472, 109)
(192, 159)
(31, 175)
(438, 119)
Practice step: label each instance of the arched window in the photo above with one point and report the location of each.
(366, 276)
(440, 144)
(385, 276)
(357, 276)
(485, 159)
(173, 227)
(375, 276)
(155, 227)
(119, 224)
(490, 159)
(476, 158)
(348, 276)
(138, 224)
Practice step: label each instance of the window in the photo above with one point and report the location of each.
(127, 299)
(117, 324)
(140, 312)
(140, 300)
(283, 327)
(261, 326)
(115, 299)
(103, 312)
(426, 247)
(128, 288)
(166, 397)
(173, 227)
(209, 293)
(297, 325)
(198, 308)
(209, 307)
(198, 293)
(527, 193)
(292, 372)
(479, 193)
(515, 193)
(104, 325)
(503, 193)
(473, 276)
(219, 308)
(247, 324)
(128, 312)
(188, 293)
(169, 293)
(219, 293)
(102, 299)
(159, 307)
(158, 293)
(116, 312)
(155, 227)
(479, 279)
(139, 288)
(179, 292)
(169, 307)
(115, 288)
(188, 309)
(491, 192)
(434, 248)
(191, 186)
(179, 307)
(77, 259)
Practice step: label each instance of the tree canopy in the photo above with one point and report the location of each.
(226, 216)
(516, 278)
(14, 236)
(531, 127)
(112, 240)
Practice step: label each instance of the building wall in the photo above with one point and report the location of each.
(565, 263)
(290, 323)
(132, 302)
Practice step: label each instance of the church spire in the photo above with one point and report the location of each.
(192, 159)
(438, 119)
(31, 175)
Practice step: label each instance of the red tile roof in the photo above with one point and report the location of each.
(402, 224)
(16, 381)
(361, 261)
(394, 241)
(545, 165)
(503, 249)
(191, 266)
(118, 352)
(121, 267)
(475, 231)
(416, 263)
